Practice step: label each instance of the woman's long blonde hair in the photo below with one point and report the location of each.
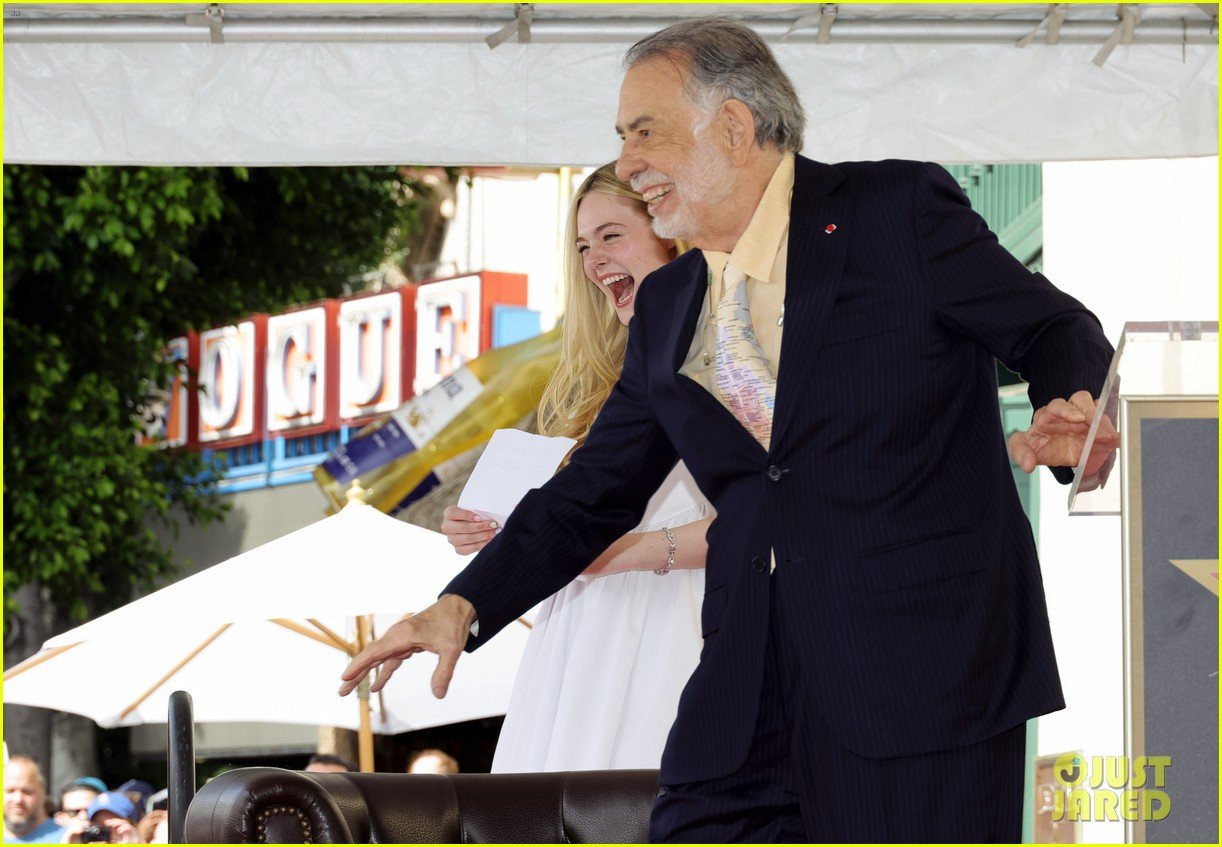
(593, 340)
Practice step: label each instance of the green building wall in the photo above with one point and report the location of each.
(1010, 199)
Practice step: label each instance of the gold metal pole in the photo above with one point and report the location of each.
(564, 196)
(365, 734)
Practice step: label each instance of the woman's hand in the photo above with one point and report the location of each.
(466, 530)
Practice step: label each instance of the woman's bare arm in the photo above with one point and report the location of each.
(647, 551)
(636, 551)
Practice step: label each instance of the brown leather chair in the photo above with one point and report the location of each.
(274, 806)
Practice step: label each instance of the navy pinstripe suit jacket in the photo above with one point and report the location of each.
(895, 520)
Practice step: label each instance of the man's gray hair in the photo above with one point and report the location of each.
(728, 60)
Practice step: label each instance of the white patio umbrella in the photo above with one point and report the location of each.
(264, 636)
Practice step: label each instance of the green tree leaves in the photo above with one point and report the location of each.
(101, 267)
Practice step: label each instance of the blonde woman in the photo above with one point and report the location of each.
(600, 679)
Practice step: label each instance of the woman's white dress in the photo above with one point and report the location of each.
(600, 678)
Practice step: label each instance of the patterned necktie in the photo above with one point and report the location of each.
(744, 377)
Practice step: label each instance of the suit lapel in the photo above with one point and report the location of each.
(690, 297)
(812, 278)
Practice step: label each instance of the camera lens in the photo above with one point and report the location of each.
(95, 835)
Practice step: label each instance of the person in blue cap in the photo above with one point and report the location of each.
(139, 792)
(113, 814)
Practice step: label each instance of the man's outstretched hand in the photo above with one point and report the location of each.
(442, 628)
(1058, 433)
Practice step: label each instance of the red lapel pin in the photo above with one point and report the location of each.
(829, 229)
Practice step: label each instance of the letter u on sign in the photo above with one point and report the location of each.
(370, 350)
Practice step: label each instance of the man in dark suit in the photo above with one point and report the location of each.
(874, 620)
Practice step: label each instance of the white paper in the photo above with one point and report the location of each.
(513, 463)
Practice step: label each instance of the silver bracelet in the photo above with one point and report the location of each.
(670, 553)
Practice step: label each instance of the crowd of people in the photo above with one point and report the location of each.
(83, 811)
(429, 760)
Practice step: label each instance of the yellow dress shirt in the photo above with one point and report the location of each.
(760, 254)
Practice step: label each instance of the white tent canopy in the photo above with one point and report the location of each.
(350, 84)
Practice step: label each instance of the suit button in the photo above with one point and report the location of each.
(759, 564)
(774, 473)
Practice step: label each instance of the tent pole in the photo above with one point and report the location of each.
(564, 197)
(601, 30)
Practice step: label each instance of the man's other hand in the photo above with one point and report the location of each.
(1058, 435)
(442, 628)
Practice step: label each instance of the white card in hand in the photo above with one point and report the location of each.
(513, 463)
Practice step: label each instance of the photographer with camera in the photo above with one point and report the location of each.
(110, 821)
(75, 797)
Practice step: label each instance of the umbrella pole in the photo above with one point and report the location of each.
(365, 734)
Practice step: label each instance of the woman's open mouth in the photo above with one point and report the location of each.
(622, 287)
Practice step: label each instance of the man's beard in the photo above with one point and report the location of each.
(678, 224)
(18, 823)
(705, 181)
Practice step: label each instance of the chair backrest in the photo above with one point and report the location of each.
(180, 762)
(270, 805)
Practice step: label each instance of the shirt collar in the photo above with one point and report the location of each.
(757, 248)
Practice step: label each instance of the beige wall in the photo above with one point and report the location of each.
(256, 517)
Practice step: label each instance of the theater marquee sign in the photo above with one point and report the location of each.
(325, 365)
